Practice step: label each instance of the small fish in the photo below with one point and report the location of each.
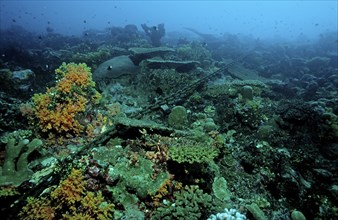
(14, 20)
(316, 24)
(84, 21)
(40, 37)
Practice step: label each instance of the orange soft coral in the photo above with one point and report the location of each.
(70, 200)
(71, 77)
(59, 109)
(37, 209)
(70, 190)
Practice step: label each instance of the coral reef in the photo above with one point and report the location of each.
(252, 133)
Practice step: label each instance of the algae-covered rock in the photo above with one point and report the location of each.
(178, 117)
(17, 82)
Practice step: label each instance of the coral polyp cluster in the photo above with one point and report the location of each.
(59, 109)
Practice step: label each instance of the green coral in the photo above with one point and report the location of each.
(17, 135)
(178, 117)
(192, 154)
(15, 169)
(205, 124)
(190, 203)
(256, 212)
(122, 197)
(138, 175)
(297, 215)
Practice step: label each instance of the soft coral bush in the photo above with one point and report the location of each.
(59, 109)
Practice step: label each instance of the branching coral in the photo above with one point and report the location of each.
(59, 109)
(190, 203)
(192, 154)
